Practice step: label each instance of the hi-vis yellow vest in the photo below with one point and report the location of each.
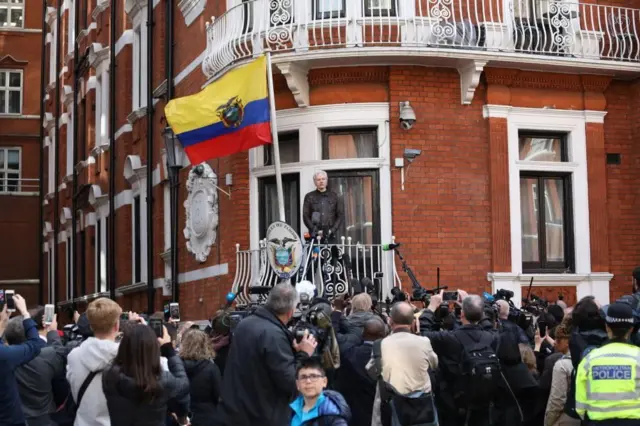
(608, 383)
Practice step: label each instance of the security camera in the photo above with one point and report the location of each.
(411, 154)
(407, 115)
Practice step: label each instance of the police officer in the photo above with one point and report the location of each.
(607, 386)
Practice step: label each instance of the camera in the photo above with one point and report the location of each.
(407, 115)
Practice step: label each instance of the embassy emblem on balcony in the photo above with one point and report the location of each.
(232, 113)
(285, 249)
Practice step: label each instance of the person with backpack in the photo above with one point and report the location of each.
(86, 364)
(470, 375)
(402, 364)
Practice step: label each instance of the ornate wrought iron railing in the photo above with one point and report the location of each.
(540, 27)
(332, 269)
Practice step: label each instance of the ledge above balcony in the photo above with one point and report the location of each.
(558, 36)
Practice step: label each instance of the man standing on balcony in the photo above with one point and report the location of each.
(323, 209)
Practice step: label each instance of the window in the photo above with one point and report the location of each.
(102, 109)
(140, 66)
(545, 203)
(380, 7)
(247, 16)
(71, 23)
(69, 266)
(9, 169)
(269, 201)
(289, 149)
(137, 241)
(52, 271)
(53, 52)
(356, 143)
(329, 9)
(51, 163)
(11, 13)
(358, 191)
(10, 92)
(70, 164)
(542, 148)
(101, 255)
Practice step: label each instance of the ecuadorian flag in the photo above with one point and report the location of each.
(230, 115)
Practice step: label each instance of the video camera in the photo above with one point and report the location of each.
(523, 318)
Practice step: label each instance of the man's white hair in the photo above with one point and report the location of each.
(319, 173)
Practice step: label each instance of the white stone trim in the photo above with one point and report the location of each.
(593, 284)
(308, 122)
(191, 9)
(573, 124)
(125, 39)
(126, 128)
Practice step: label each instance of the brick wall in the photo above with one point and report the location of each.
(621, 136)
(443, 215)
(19, 226)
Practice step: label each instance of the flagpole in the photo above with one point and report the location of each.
(276, 143)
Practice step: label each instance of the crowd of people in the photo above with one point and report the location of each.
(406, 367)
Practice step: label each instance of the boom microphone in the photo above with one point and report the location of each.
(392, 246)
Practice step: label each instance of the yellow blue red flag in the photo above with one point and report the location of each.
(230, 115)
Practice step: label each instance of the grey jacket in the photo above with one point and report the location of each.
(35, 379)
(560, 384)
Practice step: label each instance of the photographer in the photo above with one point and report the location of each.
(260, 373)
(402, 363)
(509, 326)
(463, 397)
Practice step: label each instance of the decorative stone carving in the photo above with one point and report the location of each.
(470, 72)
(202, 211)
(298, 82)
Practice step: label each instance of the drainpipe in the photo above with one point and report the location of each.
(150, 161)
(174, 174)
(74, 209)
(41, 165)
(56, 201)
(112, 155)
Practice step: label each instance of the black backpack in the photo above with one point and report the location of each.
(480, 376)
(65, 415)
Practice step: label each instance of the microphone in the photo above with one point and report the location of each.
(230, 298)
(392, 246)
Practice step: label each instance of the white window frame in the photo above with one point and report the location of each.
(71, 30)
(309, 122)
(5, 170)
(139, 69)
(573, 123)
(7, 90)
(9, 6)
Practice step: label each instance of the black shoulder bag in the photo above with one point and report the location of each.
(65, 415)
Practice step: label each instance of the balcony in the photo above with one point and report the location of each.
(464, 34)
(11, 185)
(341, 264)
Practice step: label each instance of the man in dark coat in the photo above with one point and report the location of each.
(260, 374)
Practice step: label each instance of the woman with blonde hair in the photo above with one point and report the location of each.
(196, 351)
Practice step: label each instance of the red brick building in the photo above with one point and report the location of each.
(521, 163)
(20, 38)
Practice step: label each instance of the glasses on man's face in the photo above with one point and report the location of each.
(310, 377)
